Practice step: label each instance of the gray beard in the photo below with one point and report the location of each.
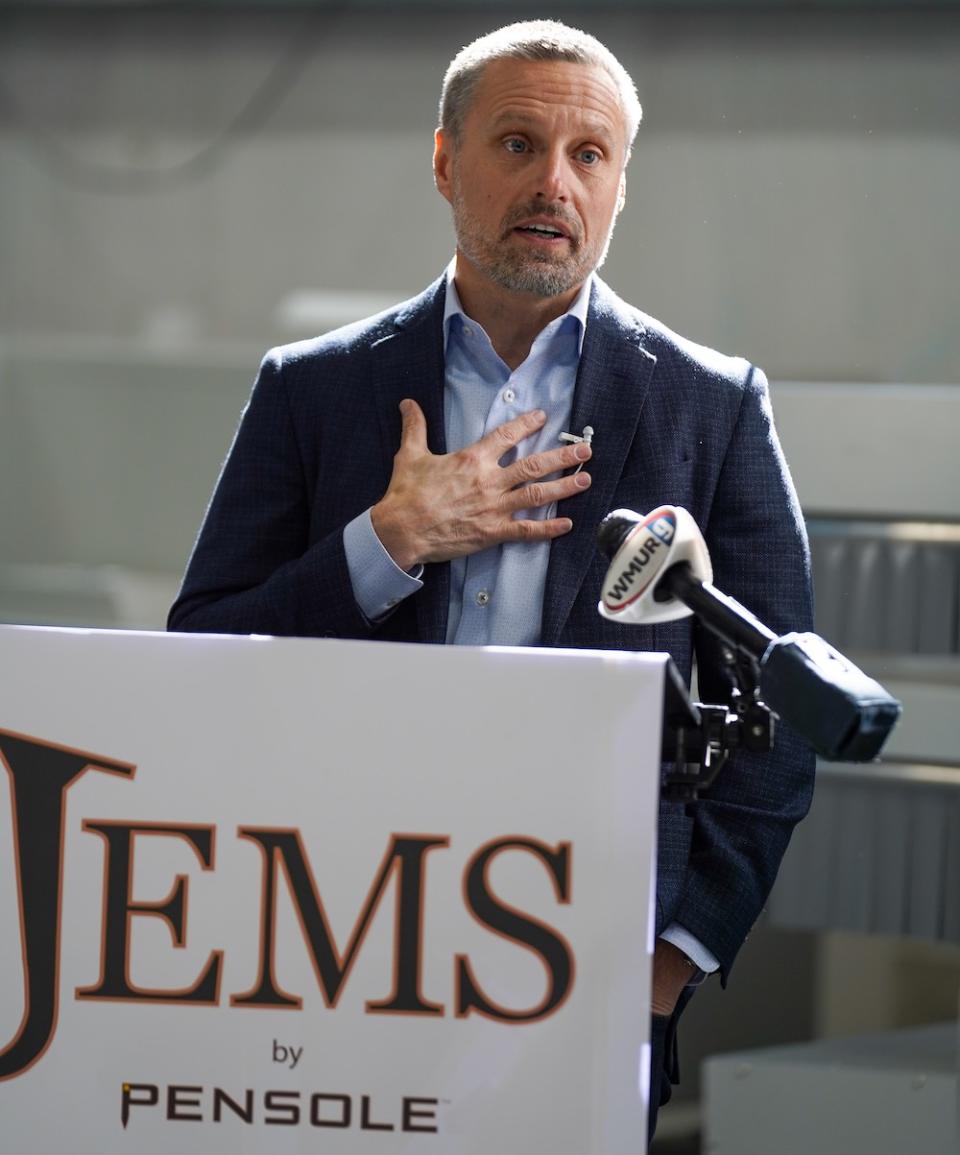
(540, 278)
(538, 274)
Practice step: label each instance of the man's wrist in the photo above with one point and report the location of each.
(695, 975)
(691, 946)
(378, 583)
(672, 972)
(392, 539)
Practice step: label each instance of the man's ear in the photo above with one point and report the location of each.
(622, 195)
(443, 164)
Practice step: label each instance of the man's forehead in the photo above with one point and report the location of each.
(529, 90)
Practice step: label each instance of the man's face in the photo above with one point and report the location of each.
(536, 179)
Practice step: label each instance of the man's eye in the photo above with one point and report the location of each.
(515, 144)
(590, 156)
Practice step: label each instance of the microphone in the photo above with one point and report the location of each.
(660, 571)
(641, 549)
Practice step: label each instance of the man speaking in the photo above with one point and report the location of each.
(437, 473)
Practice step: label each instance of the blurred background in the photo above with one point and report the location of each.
(184, 185)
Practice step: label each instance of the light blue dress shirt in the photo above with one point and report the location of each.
(496, 596)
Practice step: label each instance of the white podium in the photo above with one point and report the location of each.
(267, 895)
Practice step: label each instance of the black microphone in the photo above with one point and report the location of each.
(660, 570)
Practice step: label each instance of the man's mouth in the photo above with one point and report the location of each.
(543, 232)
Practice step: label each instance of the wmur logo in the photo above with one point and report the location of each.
(40, 775)
(649, 544)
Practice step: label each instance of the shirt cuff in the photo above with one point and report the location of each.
(379, 584)
(691, 946)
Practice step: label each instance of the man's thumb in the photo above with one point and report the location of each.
(413, 434)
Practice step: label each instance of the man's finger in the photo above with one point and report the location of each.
(498, 441)
(541, 493)
(413, 433)
(536, 530)
(541, 464)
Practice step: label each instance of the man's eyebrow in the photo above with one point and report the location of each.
(511, 117)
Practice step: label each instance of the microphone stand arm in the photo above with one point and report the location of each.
(840, 711)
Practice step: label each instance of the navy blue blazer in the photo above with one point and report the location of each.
(674, 423)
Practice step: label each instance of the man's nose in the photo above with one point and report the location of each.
(553, 176)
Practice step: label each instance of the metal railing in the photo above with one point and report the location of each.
(887, 586)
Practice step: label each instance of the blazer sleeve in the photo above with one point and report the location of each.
(758, 547)
(259, 565)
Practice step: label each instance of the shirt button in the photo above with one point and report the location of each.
(467, 331)
(509, 396)
(483, 597)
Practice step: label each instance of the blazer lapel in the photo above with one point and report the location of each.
(409, 363)
(612, 382)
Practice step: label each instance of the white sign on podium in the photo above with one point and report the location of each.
(266, 895)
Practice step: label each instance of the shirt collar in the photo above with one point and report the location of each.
(452, 307)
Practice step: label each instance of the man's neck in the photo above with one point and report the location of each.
(511, 320)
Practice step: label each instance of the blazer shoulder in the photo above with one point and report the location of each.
(674, 352)
(357, 338)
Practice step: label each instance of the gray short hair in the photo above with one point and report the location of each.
(531, 40)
